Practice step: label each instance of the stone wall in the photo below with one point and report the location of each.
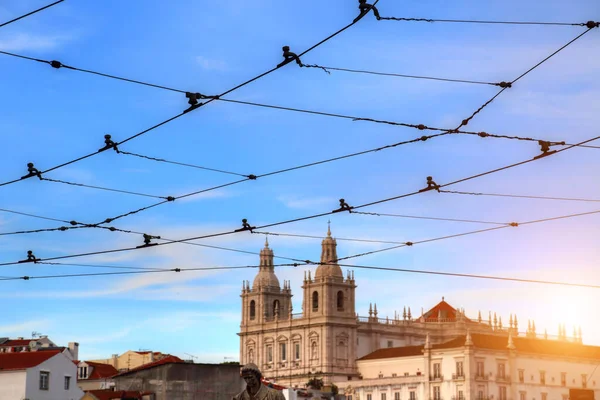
(182, 381)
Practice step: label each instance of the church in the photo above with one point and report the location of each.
(328, 337)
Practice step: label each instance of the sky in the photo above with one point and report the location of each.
(49, 116)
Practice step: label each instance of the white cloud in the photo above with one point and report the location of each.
(25, 328)
(211, 64)
(308, 202)
(25, 41)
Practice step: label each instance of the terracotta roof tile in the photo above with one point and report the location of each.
(167, 360)
(16, 343)
(18, 361)
(101, 371)
(496, 342)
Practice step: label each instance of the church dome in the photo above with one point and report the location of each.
(329, 254)
(266, 275)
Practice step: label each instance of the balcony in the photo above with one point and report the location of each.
(436, 378)
(503, 378)
(459, 376)
(481, 377)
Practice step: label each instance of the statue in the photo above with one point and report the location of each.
(255, 390)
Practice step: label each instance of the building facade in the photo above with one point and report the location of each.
(44, 375)
(131, 359)
(41, 343)
(478, 367)
(328, 337)
(95, 376)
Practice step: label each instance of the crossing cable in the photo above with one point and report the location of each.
(27, 278)
(104, 188)
(303, 65)
(79, 225)
(30, 13)
(101, 266)
(58, 64)
(465, 121)
(520, 196)
(429, 272)
(247, 227)
(420, 126)
(359, 71)
(589, 24)
(513, 224)
(430, 218)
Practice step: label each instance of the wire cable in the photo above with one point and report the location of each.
(359, 71)
(179, 163)
(430, 218)
(465, 121)
(226, 233)
(58, 65)
(101, 266)
(466, 234)
(321, 238)
(27, 278)
(102, 188)
(589, 24)
(521, 196)
(30, 13)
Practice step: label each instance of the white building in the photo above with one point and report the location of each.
(39, 375)
(478, 366)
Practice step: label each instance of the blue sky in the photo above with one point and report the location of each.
(48, 116)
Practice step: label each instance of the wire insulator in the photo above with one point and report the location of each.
(483, 134)
(504, 85)
(424, 138)
(32, 171)
(170, 198)
(73, 223)
(177, 270)
(56, 64)
(246, 226)
(421, 127)
(430, 185)
(289, 57)
(343, 207)
(514, 224)
(109, 144)
(30, 258)
(252, 177)
(592, 24)
(409, 243)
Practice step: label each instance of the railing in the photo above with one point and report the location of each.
(458, 376)
(503, 378)
(482, 377)
(438, 377)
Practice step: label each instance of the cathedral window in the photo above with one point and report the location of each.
(522, 395)
(369, 397)
(437, 371)
(502, 393)
(383, 396)
(269, 354)
(297, 351)
(340, 301)
(282, 351)
(252, 309)
(412, 395)
(341, 350)
(315, 301)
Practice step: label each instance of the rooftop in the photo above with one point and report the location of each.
(19, 361)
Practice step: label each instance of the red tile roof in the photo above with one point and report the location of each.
(167, 360)
(16, 343)
(447, 312)
(18, 361)
(494, 342)
(108, 394)
(101, 371)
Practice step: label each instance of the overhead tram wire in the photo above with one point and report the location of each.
(185, 112)
(430, 218)
(516, 224)
(227, 233)
(101, 266)
(429, 272)
(589, 24)
(30, 13)
(176, 270)
(465, 121)
(104, 188)
(521, 196)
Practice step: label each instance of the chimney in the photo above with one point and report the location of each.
(74, 349)
(115, 361)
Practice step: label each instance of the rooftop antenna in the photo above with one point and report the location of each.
(35, 334)
(193, 357)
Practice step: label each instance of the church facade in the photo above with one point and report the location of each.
(328, 336)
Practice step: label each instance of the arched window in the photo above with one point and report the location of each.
(340, 301)
(252, 309)
(276, 307)
(315, 301)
